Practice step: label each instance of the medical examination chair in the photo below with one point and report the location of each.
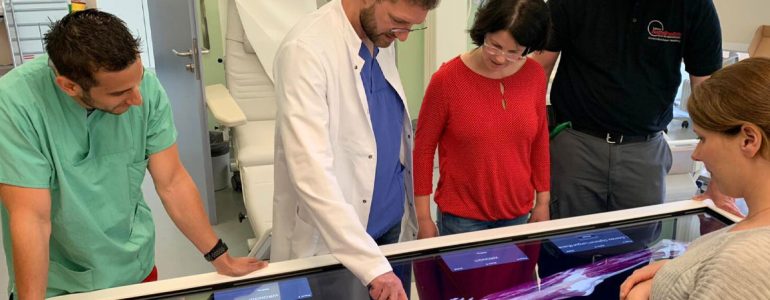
(246, 106)
(681, 179)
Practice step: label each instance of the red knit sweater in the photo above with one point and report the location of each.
(491, 159)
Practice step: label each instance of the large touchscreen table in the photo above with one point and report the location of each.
(589, 259)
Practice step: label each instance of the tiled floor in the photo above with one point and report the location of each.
(235, 233)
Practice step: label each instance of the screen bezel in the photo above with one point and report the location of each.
(415, 254)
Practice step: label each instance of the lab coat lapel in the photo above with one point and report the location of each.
(358, 64)
(387, 61)
(353, 44)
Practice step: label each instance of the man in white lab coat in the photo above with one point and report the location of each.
(343, 166)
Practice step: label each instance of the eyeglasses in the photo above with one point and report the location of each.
(511, 57)
(395, 31)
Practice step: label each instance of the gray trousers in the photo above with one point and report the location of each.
(589, 175)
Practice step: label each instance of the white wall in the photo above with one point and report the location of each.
(739, 20)
(447, 34)
(223, 6)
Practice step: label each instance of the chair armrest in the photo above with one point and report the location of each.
(224, 108)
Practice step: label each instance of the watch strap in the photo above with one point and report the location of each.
(219, 249)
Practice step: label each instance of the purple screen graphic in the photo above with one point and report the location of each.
(591, 241)
(480, 258)
(582, 280)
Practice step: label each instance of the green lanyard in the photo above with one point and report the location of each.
(556, 130)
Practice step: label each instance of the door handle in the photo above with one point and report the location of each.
(188, 53)
(177, 53)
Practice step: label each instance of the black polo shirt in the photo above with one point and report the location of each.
(620, 59)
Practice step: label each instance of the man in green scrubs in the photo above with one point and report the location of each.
(80, 127)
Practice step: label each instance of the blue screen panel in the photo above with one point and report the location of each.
(292, 289)
(484, 257)
(591, 241)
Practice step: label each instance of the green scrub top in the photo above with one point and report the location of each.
(102, 232)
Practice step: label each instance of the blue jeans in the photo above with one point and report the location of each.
(389, 237)
(451, 224)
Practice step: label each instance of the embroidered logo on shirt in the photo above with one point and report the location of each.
(658, 33)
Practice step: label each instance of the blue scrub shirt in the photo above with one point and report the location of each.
(387, 115)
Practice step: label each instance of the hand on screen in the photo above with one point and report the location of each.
(387, 287)
(237, 266)
(639, 276)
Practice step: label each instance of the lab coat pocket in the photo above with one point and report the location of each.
(305, 238)
(70, 281)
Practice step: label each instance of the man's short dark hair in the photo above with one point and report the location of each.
(425, 4)
(527, 21)
(82, 43)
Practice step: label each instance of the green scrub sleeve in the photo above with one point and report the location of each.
(22, 162)
(161, 132)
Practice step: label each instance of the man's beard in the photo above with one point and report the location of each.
(369, 24)
(88, 100)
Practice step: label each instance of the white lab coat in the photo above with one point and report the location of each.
(326, 155)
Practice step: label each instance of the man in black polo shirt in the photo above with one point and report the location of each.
(616, 83)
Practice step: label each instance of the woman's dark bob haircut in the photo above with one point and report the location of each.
(527, 21)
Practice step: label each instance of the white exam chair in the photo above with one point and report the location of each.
(247, 108)
(680, 180)
(256, 175)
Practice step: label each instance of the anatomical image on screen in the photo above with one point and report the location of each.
(590, 264)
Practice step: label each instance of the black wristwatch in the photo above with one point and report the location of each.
(219, 249)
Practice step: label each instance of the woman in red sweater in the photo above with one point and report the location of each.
(485, 111)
